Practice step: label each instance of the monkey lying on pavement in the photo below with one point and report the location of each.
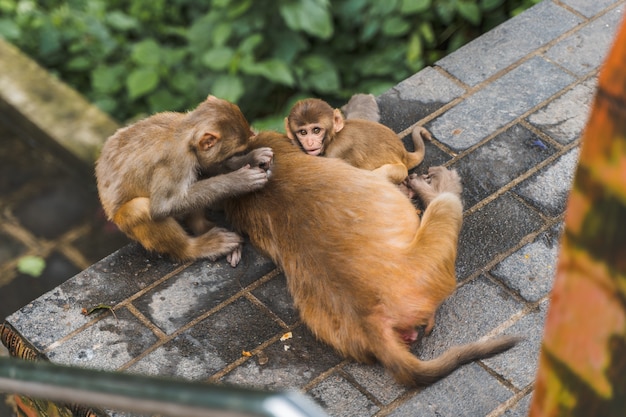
(362, 271)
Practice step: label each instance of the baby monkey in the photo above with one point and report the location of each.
(321, 130)
(168, 168)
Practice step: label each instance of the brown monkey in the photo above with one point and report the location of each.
(147, 176)
(362, 106)
(362, 270)
(321, 130)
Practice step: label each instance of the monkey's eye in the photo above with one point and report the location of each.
(302, 132)
(317, 130)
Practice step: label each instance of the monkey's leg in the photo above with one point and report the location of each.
(396, 173)
(198, 223)
(168, 237)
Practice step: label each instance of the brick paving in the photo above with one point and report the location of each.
(507, 111)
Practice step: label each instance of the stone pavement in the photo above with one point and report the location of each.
(507, 111)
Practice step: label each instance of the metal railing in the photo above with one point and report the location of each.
(145, 394)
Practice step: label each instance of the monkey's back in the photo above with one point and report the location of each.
(367, 145)
(123, 168)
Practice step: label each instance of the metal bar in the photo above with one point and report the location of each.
(145, 394)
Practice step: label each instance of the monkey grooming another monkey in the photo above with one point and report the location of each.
(321, 130)
(148, 178)
(362, 271)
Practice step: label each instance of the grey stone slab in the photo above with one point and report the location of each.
(376, 380)
(415, 98)
(565, 118)
(275, 295)
(519, 364)
(189, 294)
(549, 188)
(499, 161)
(585, 50)
(57, 313)
(211, 344)
(106, 345)
(521, 408)
(509, 42)
(468, 392)
(493, 229)
(287, 364)
(499, 103)
(474, 310)
(589, 8)
(530, 271)
(340, 398)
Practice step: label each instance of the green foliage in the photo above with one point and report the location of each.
(134, 58)
(31, 265)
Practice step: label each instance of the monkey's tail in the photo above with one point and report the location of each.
(409, 370)
(418, 134)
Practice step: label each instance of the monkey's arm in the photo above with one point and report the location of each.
(178, 199)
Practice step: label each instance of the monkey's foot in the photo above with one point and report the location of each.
(234, 257)
(445, 180)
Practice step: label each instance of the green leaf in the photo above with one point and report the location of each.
(183, 81)
(221, 32)
(310, 16)
(141, 81)
(218, 59)
(321, 74)
(163, 100)
(9, 30)
(121, 21)
(248, 45)
(489, 5)
(146, 53)
(272, 69)
(228, 87)
(470, 11)
(395, 26)
(108, 79)
(414, 6)
(31, 265)
(79, 63)
(427, 32)
(414, 48)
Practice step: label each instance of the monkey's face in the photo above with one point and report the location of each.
(311, 137)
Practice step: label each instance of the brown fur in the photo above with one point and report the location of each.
(362, 143)
(148, 174)
(362, 270)
(362, 106)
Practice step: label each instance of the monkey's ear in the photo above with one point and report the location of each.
(207, 141)
(337, 120)
(288, 129)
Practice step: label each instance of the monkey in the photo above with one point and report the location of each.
(362, 268)
(362, 106)
(149, 181)
(321, 130)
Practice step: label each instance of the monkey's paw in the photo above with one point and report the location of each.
(262, 158)
(234, 257)
(445, 180)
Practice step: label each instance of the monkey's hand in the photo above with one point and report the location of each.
(248, 179)
(261, 157)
